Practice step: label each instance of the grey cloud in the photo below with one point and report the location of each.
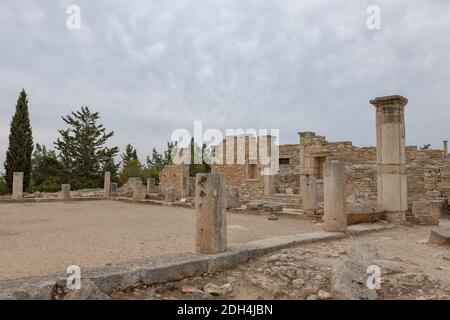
(153, 66)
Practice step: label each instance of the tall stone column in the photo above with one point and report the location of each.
(391, 159)
(309, 195)
(334, 196)
(17, 192)
(65, 189)
(445, 148)
(210, 203)
(107, 184)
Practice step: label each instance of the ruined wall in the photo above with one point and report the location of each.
(288, 176)
(176, 176)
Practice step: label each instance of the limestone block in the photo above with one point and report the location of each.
(335, 215)
(210, 203)
(17, 186)
(171, 194)
(65, 188)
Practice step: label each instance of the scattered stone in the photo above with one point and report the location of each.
(189, 289)
(324, 295)
(273, 217)
(226, 288)
(298, 283)
(212, 289)
(88, 291)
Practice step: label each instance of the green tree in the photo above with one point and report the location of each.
(198, 152)
(83, 149)
(132, 169)
(20, 149)
(168, 153)
(111, 166)
(3, 185)
(47, 170)
(129, 154)
(157, 160)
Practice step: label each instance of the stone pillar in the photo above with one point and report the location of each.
(210, 203)
(151, 185)
(65, 189)
(184, 182)
(17, 192)
(107, 184)
(138, 190)
(391, 159)
(269, 187)
(334, 196)
(114, 189)
(445, 148)
(309, 195)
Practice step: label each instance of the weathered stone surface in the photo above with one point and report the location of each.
(440, 236)
(88, 291)
(17, 186)
(151, 185)
(65, 189)
(233, 200)
(335, 216)
(254, 206)
(170, 194)
(107, 184)
(210, 203)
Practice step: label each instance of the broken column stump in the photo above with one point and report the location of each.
(65, 189)
(17, 190)
(440, 236)
(309, 196)
(210, 203)
(335, 215)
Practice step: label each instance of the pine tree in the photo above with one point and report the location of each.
(83, 149)
(129, 154)
(20, 149)
(156, 161)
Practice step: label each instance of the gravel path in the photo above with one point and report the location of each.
(38, 239)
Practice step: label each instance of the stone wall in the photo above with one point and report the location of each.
(288, 176)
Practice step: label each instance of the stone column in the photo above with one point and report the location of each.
(210, 203)
(334, 196)
(138, 193)
(269, 187)
(391, 159)
(107, 184)
(151, 185)
(445, 148)
(184, 181)
(65, 188)
(309, 195)
(17, 192)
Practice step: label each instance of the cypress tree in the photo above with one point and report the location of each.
(20, 149)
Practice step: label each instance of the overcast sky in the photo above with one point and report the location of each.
(151, 66)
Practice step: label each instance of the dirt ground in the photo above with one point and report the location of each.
(39, 239)
(411, 268)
